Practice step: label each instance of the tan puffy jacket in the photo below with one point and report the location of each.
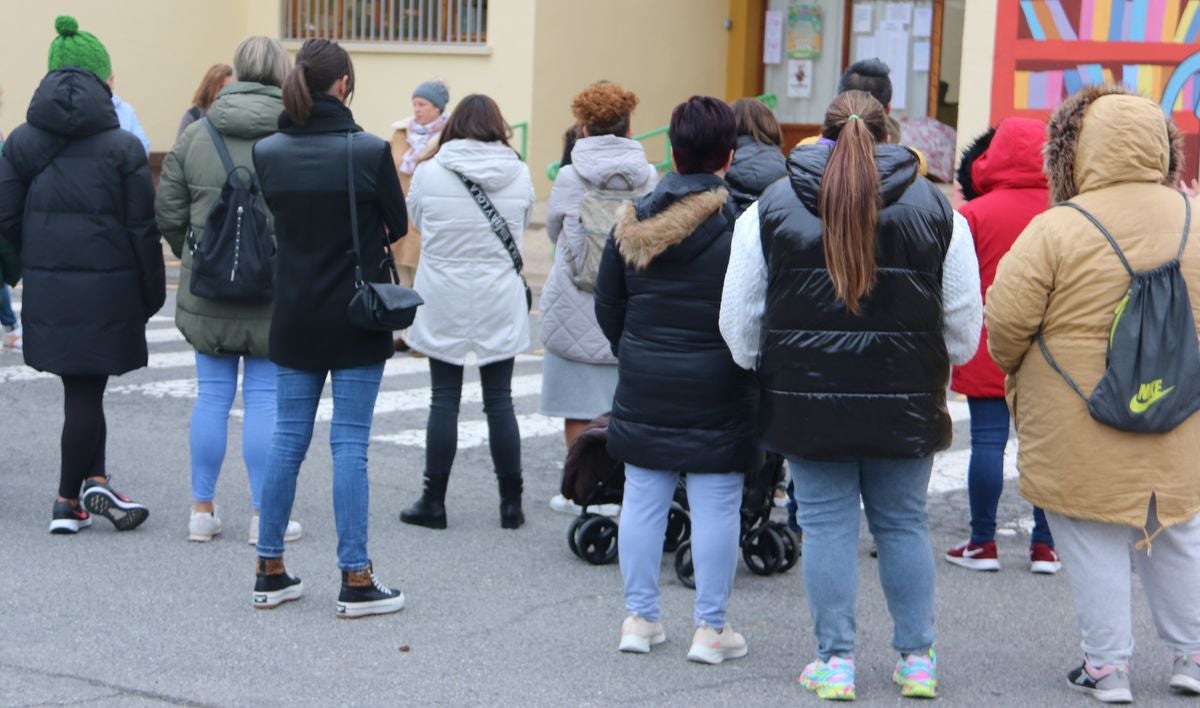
(1110, 153)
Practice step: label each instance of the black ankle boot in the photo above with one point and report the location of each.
(430, 510)
(511, 516)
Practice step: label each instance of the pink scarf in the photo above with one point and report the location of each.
(418, 137)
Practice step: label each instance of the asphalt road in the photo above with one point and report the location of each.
(493, 618)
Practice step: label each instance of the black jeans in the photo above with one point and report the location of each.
(441, 435)
(84, 432)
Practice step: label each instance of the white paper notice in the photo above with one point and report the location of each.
(863, 17)
(901, 12)
(800, 78)
(773, 37)
(893, 50)
(920, 56)
(923, 22)
(865, 48)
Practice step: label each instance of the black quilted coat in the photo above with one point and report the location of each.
(76, 198)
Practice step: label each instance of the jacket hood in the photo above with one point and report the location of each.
(755, 166)
(1012, 158)
(1103, 136)
(610, 162)
(668, 222)
(898, 169)
(74, 103)
(972, 153)
(492, 166)
(246, 110)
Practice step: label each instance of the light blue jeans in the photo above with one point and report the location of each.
(715, 501)
(893, 493)
(298, 393)
(7, 317)
(217, 377)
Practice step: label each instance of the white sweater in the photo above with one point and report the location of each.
(744, 299)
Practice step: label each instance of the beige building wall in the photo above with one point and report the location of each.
(665, 50)
(975, 94)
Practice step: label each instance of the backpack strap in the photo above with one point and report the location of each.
(1187, 224)
(1111, 241)
(1054, 365)
(219, 143)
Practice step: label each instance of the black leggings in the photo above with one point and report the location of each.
(441, 435)
(84, 432)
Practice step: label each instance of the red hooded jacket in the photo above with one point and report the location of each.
(1006, 185)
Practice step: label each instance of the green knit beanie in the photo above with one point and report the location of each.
(74, 48)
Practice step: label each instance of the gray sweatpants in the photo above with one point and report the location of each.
(1097, 558)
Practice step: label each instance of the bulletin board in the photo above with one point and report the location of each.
(905, 35)
(804, 101)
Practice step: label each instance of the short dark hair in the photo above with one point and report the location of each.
(870, 75)
(702, 133)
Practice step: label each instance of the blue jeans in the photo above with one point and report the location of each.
(893, 494)
(217, 377)
(298, 393)
(985, 474)
(8, 318)
(716, 502)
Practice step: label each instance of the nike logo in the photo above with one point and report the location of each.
(1148, 394)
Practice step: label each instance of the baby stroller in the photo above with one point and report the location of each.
(591, 478)
(767, 546)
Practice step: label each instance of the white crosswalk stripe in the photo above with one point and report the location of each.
(474, 433)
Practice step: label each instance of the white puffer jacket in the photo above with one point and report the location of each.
(473, 297)
(568, 314)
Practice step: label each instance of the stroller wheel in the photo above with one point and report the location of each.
(679, 528)
(597, 540)
(791, 546)
(572, 532)
(763, 551)
(684, 569)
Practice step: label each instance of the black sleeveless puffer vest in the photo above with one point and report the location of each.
(836, 384)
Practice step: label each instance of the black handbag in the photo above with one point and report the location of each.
(500, 228)
(381, 307)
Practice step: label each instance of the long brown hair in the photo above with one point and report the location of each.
(476, 117)
(211, 85)
(849, 199)
(754, 119)
(319, 64)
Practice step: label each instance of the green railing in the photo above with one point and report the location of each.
(663, 165)
(523, 126)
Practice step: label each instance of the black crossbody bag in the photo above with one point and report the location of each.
(500, 228)
(382, 307)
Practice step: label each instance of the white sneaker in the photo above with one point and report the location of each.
(712, 647)
(566, 506)
(293, 532)
(638, 635)
(203, 526)
(13, 339)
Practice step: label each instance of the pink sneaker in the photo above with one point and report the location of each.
(1043, 560)
(972, 557)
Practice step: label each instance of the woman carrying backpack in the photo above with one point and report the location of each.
(682, 404)
(305, 169)
(852, 319)
(1104, 490)
(474, 296)
(579, 373)
(91, 258)
(224, 333)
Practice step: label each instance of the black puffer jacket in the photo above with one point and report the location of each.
(76, 198)
(843, 385)
(755, 167)
(682, 404)
(303, 174)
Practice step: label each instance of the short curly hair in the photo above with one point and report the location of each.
(604, 108)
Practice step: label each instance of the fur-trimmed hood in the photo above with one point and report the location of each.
(1104, 135)
(664, 219)
(1008, 156)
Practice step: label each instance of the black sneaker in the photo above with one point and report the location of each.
(1111, 686)
(68, 519)
(99, 498)
(273, 586)
(362, 594)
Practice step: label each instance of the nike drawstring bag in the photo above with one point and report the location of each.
(1151, 381)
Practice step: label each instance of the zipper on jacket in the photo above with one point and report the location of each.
(237, 246)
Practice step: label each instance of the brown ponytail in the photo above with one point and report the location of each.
(320, 63)
(849, 198)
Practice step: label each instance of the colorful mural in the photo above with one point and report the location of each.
(1048, 49)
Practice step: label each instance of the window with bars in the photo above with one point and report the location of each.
(441, 22)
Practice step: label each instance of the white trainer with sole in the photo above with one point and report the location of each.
(638, 635)
(712, 647)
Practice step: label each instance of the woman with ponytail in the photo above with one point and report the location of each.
(304, 170)
(852, 286)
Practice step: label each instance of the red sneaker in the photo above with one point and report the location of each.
(1043, 559)
(972, 557)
